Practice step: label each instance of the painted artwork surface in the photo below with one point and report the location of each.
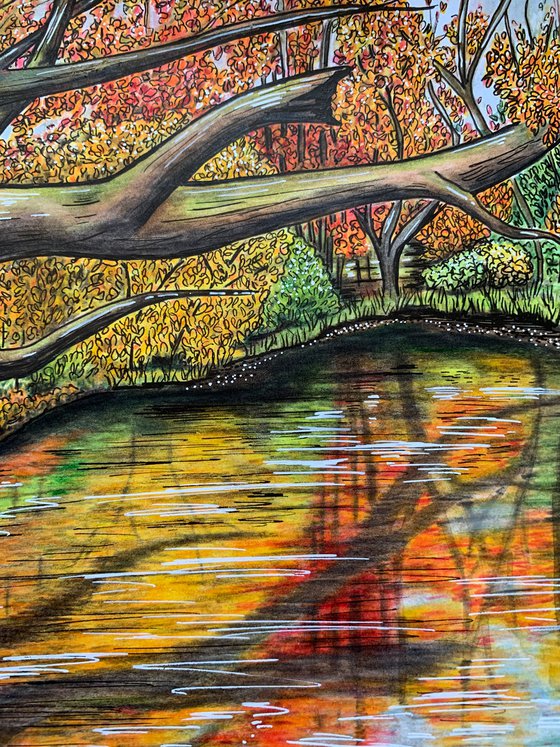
(279, 381)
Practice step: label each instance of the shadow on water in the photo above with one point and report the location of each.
(357, 545)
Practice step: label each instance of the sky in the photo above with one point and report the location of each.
(517, 7)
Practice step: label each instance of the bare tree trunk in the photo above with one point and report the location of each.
(358, 270)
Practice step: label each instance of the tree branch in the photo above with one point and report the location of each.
(147, 184)
(46, 51)
(18, 362)
(200, 216)
(44, 54)
(448, 77)
(511, 40)
(17, 50)
(462, 63)
(454, 195)
(22, 85)
(366, 227)
(72, 220)
(415, 225)
(391, 223)
(493, 24)
(528, 23)
(399, 135)
(443, 113)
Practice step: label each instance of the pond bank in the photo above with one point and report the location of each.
(243, 371)
(503, 328)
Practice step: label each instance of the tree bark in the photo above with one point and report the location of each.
(76, 221)
(26, 84)
(17, 50)
(62, 218)
(389, 269)
(148, 183)
(44, 54)
(199, 217)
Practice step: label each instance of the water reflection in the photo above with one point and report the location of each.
(359, 549)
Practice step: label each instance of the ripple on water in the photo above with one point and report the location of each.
(360, 549)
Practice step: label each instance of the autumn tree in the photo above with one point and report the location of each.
(392, 119)
(146, 204)
(479, 46)
(393, 106)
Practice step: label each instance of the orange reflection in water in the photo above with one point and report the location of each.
(372, 559)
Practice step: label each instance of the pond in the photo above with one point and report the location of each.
(359, 546)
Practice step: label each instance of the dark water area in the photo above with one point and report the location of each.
(357, 547)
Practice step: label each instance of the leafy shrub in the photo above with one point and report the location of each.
(507, 263)
(302, 294)
(492, 263)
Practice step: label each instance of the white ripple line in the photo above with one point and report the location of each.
(203, 489)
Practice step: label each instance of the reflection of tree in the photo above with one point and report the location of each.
(394, 514)
(516, 486)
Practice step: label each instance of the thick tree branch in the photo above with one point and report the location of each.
(148, 183)
(391, 223)
(202, 216)
(198, 216)
(415, 225)
(452, 194)
(44, 54)
(366, 227)
(55, 218)
(22, 85)
(19, 362)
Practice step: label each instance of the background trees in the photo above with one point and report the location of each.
(122, 155)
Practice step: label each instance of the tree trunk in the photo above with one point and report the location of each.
(389, 269)
(358, 270)
(528, 219)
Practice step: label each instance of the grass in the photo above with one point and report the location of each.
(529, 304)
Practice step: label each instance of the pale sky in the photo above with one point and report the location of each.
(536, 7)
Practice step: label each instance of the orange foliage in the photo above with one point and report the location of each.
(349, 240)
(385, 109)
(452, 229)
(529, 86)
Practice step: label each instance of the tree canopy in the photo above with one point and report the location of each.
(143, 139)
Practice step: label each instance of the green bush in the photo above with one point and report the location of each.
(495, 264)
(303, 293)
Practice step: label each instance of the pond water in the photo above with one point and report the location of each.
(359, 547)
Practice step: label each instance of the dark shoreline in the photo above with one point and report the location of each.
(238, 374)
(520, 332)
